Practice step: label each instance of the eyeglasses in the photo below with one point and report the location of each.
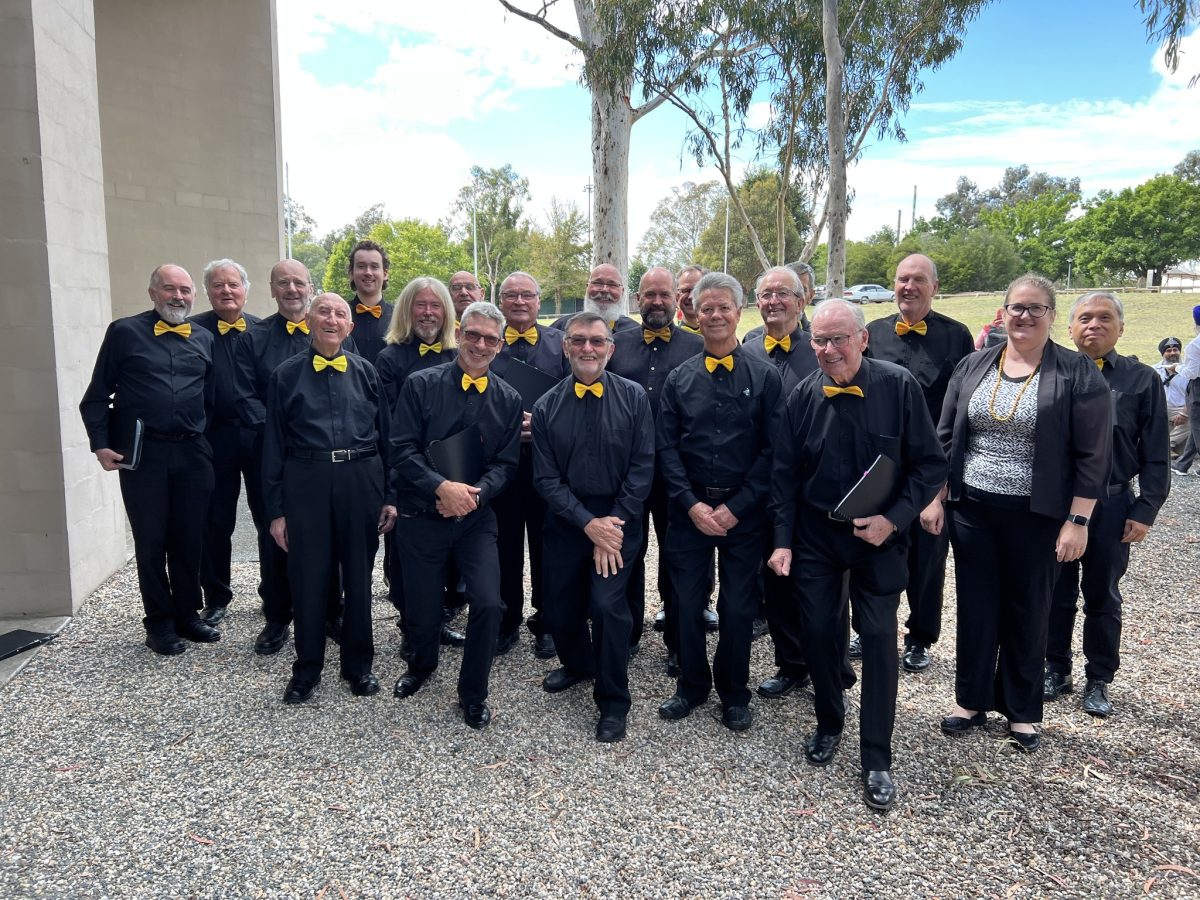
(838, 340)
(491, 341)
(518, 295)
(608, 285)
(579, 342)
(1016, 310)
(782, 294)
(463, 286)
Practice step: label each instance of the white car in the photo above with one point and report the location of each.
(868, 293)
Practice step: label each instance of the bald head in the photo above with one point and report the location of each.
(290, 288)
(915, 284)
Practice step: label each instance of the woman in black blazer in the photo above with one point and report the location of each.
(1027, 428)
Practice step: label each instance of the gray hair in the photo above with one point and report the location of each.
(228, 264)
(484, 310)
(694, 267)
(835, 303)
(519, 274)
(801, 269)
(719, 281)
(787, 271)
(1098, 295)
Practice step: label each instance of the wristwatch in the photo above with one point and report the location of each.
(1078, 520)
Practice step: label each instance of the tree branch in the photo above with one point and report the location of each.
(539, 18)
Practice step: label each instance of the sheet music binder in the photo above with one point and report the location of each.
(873, 490)
(125, 434)
(458, 457)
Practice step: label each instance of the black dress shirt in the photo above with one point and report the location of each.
(793, 365)
(623, 323)
(260, 351)
(321, 411)
(433, 406)
(369, 332)
(397, 361)
(715, 430)
(930, 357)
(592, 447)
(163, 380)
(1072, 454)
(827, 443)
(1141, 433)
(650, 364)
(546, 355)
(225, 397)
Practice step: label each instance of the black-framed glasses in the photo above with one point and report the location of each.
(578, 341)
(491, 341)
(838, 340)
(518, 295)
(1016, 310)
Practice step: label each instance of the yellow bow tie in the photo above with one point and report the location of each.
(649, 334)
(596, 389)
(320, 363)
(161, 328)
(687, 327)
(711, 363)
(832, 390)
(785, 342)
(1099, 363)
(425, 348)
(511, 335)
(480, 383)
(376, 311)
(292, 326)
(903, 327)
(224, 327)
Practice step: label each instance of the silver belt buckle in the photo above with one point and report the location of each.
(339, 456)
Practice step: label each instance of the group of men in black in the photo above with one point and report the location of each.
(737, 453)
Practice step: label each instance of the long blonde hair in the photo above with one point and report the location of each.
(400, 331)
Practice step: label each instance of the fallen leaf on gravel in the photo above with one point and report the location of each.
(336, 807)
(1174, 868)
(803, 812)
(69, 768)
(200, 840)
(678, 828)
(497, 765)
(1149, 884)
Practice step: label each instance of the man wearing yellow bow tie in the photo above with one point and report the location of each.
(604, 296)
(156, 368)
(717, 415)
(443, 519)
(368, 269)
(226, 285)
(593, 462)
(929, 345)
(325, 465)
(520, 511)
(837, 422)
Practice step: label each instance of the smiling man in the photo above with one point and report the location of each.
(686, 283)
(368, 269)
(1119, 520)
(464, 290)
(605, 297)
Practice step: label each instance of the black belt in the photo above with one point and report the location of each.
(336, 456)
(712, 493)
(1116, 489)
(171, 435)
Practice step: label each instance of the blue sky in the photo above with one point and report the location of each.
(394, 103)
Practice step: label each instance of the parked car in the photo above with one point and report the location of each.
(868, 293)
(819, 293)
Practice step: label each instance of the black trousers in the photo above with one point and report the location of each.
(654, 514)
(233, 452)
(1098, 574)
(739, 555)
(926, 582)
(520, 510)
(166, 498)
(393, 559)
(1004, 568)
(427, 543)
(332, 515)
(783, 616)
(575, 594)
(822, 554)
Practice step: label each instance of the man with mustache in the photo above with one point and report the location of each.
(606, 298)
(368, 270)
(464, 290)
(155, 367)
(688, 276)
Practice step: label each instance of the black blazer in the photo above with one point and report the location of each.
(1072, 453)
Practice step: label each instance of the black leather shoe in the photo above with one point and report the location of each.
(477, 715)
(165, 644)
(879, 791)
(819, 748)
(407, 685)
(300, 690)
(271, 639)
(333, 630)
(452, 638)
(660, 620)
(915, 659)
(1026, 743)
(959, 725)
(736, 718)
(711, 622)
(673, 665)
(1055, 684)
(214, 615)
(1095, 699)
(543, 646)
(781, 684)
(759, 628)
(505, 642)
(560, 680)
(363, 685)
(610, 729)
(676, 707)
(855, 649)
(198, 632)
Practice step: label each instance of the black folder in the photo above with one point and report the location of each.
(20, 640)
(530, 381)
(873, 490)
(125, 433)
(458, 457)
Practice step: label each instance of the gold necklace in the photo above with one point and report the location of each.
(996, 389)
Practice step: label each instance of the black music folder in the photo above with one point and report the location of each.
(530, 382)
(873, 490)
(19, 640)
(125, 433)
(458, 457)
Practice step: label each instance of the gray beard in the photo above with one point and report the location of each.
(609, 312)
(171, 315)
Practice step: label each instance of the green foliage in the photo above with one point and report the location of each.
(974, 259)
(491, 208)
(1189, 168)
(559, 257)
(637, 268)
(677, 222)
(1039, 228)
(414, 248)
(867, 263)
(314, 257)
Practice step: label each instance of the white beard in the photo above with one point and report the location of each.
(172, 315)
(609, 312)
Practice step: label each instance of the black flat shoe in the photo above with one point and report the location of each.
(214, 615)
(407, 685)
(781, 684)
(300, 690)
(879, 791)
(165, 644)
(1055, 684)
(363, 685)
(271, 639)
(477, 715)
(198, 632)
(736, 718)
(1026, 743)
(451, 638)
(915, 659)
(543, 646)
(820, 748)
(610, 729)
(958, 725)
(560, 680)
(676, 707)
(1095, 699)
(505, 642)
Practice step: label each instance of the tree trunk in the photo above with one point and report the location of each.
(612, 124)
(835, 205)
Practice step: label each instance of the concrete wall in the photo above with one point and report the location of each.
(189, 116)
(61, 524)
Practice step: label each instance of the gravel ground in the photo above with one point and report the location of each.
(124, 774)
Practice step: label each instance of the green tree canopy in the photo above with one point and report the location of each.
(491, 208)
(413, 247)
(677, 222)
(559, 257)
(1039, 228)
(973, 259)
